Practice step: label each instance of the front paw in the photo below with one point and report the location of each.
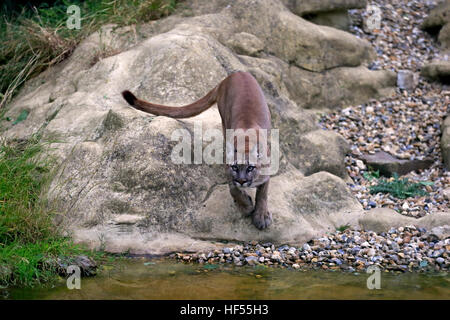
(262, 219)
(246, 207)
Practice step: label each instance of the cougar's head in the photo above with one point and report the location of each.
(243, 167)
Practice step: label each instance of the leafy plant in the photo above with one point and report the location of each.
(370, 175)
(399, 188)
(22, 116)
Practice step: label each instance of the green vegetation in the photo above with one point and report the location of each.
(369, 175)
(343, 228)
(33, 40)
(28, 238)
(399, 188)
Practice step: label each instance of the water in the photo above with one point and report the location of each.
(163, 279)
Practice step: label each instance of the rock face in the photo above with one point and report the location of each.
(331, 13)
(302, 7)
(116, 185)
(388, 165)
(381, 219)
(246, 44)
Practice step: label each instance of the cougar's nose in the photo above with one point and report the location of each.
(241, 181)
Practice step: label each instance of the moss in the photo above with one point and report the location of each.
(113, 121)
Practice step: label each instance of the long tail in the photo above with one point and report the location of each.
(186, 111)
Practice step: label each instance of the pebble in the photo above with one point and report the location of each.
(406, 125)
(349, 250)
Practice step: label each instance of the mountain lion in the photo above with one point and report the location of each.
(241, 105)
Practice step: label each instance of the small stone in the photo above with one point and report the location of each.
(405, 205)
(251, 260)
(407, 79)
(446, 193)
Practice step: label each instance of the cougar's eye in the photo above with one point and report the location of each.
(234, 167)
(250, 168)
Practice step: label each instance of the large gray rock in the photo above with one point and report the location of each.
(437, 70)
(302, 7)
(382, 219)
(246, 44)
(388, 165)
(338, 87)
(297, 41)
(333, 13)
(320, 150)
(115, 185)
(438, 22)
(302, 208)
(444, 36)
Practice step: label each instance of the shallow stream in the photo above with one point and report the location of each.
(166, 279)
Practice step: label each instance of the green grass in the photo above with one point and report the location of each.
(33, 40)
(399, 188)
(33, 262)
(28, 237)
(22, 177)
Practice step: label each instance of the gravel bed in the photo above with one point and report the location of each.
(406, 125)
(403, 249)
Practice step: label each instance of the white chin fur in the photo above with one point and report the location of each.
(245, 185)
